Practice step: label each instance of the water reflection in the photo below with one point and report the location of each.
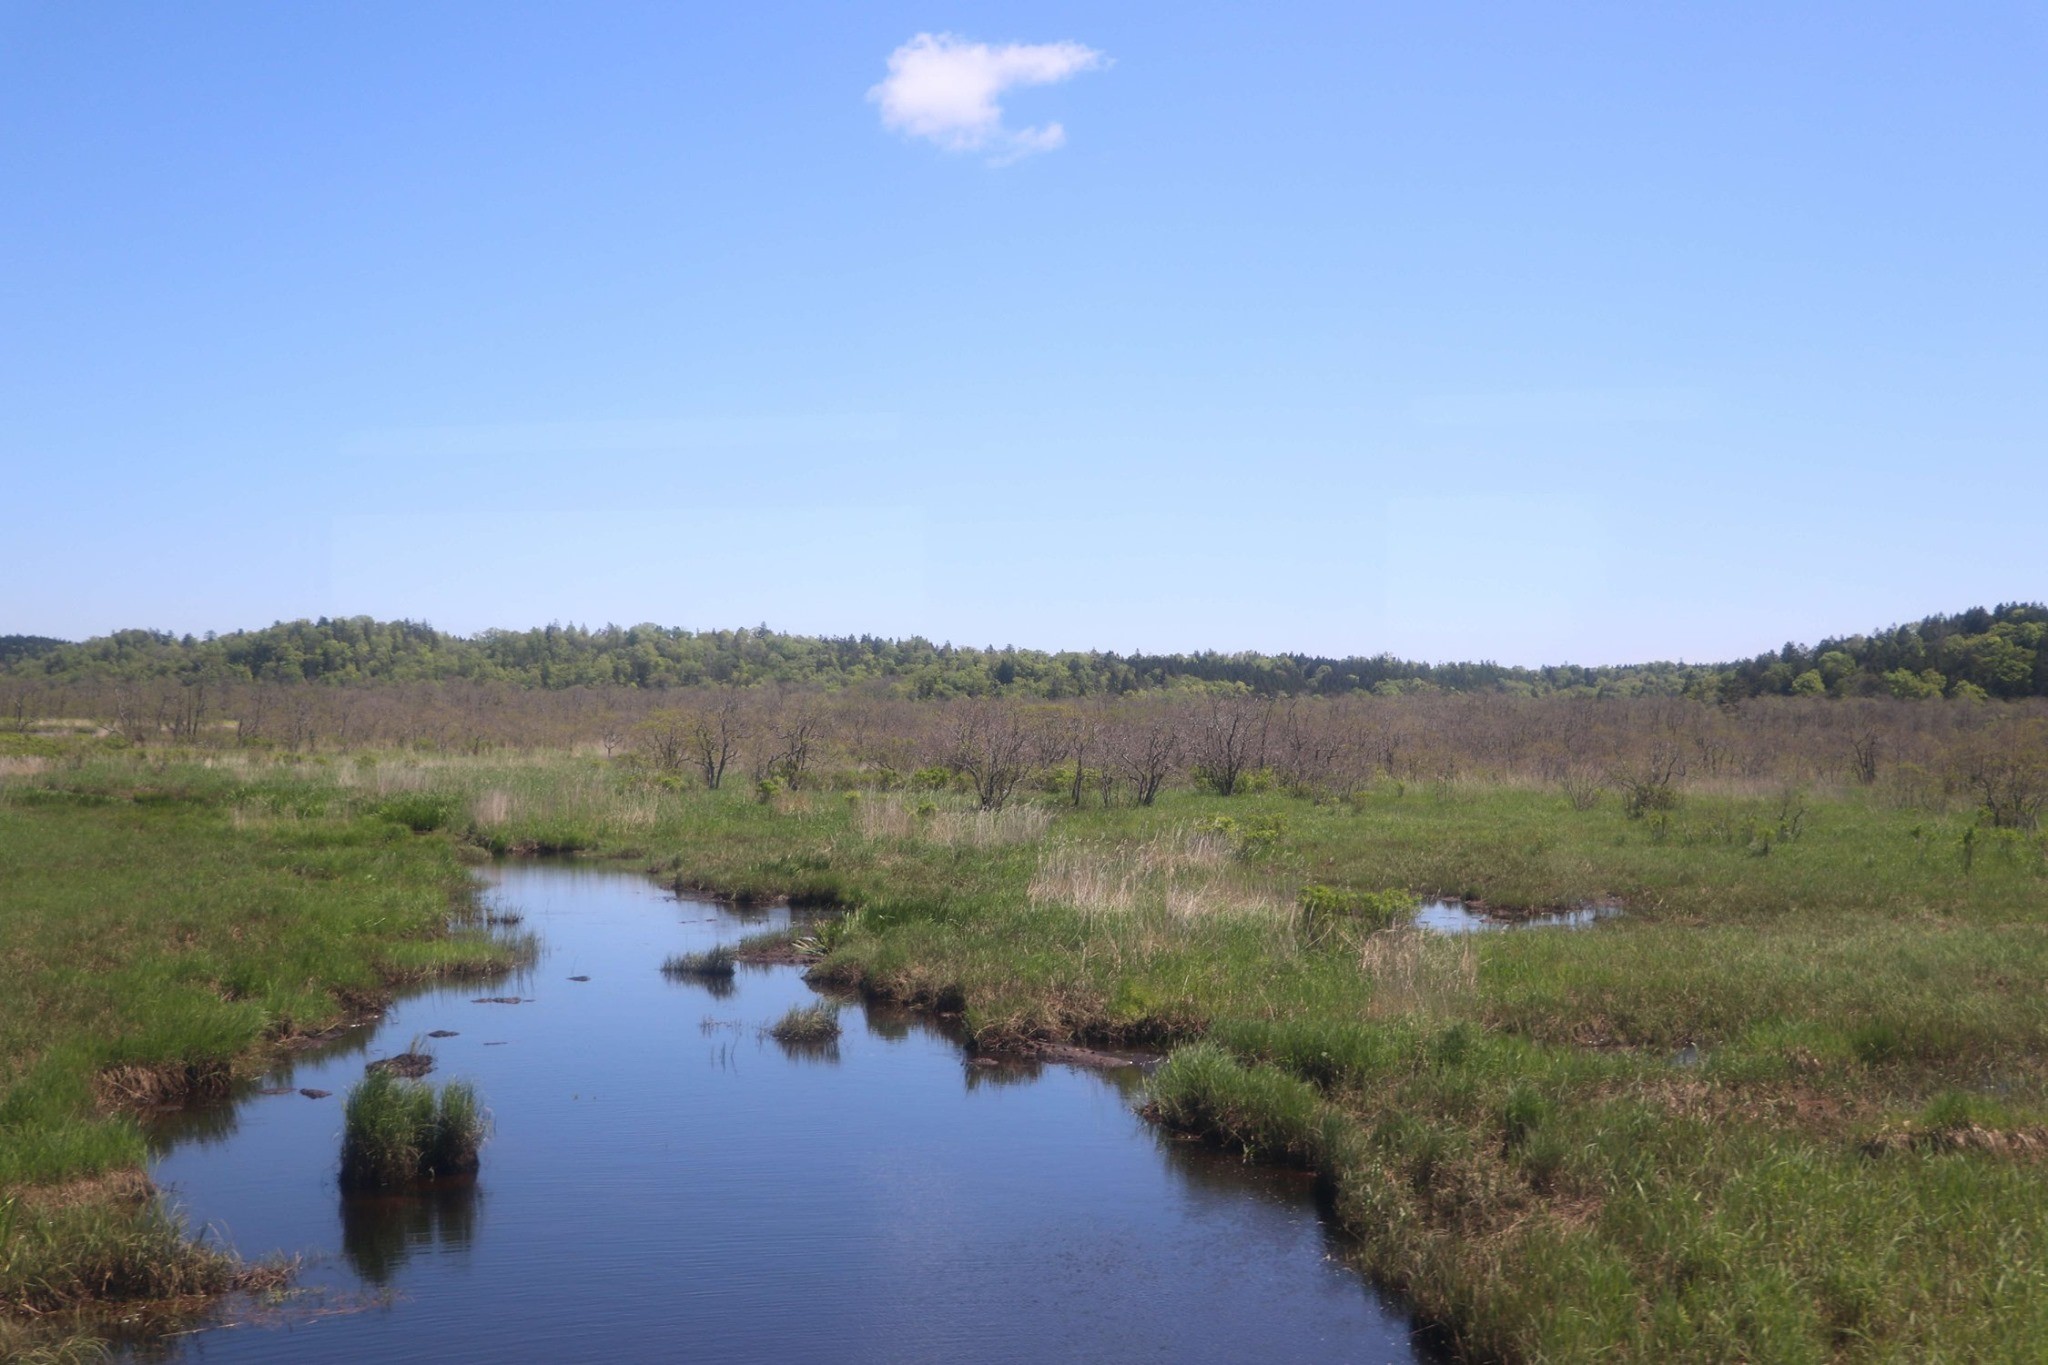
(886, 1022)
(200, 1125)
(380, 1232)
(824, 1053)
(1457, 917)
(995, 1073)
(717, 987)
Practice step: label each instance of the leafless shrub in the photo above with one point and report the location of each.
(2006, 769)
(1582, 785)
(1146, 753)
(1649, 782)
(991, 745)
(1230, 741)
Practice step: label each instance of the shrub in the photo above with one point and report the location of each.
(1325, 908)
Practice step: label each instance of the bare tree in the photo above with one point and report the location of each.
(1070, 740)
(1231, 742)
(21, 703)
(663, 740)
(1866, 745)
(1146, 753)
(2007, 767)
(715, 734)
(991, 745)
(794, 735)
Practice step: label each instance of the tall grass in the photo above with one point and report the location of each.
(396, 1132)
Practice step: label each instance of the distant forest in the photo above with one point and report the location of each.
(1978, 653)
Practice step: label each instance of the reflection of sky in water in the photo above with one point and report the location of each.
(666, 1182)
(1455, 917)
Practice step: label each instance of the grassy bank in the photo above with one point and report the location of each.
(165, 927)
(1785, 1106)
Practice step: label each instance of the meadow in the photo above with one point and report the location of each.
(1786, 1104)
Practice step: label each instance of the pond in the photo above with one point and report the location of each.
(666, 1182)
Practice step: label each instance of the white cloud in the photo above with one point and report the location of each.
(943, 88)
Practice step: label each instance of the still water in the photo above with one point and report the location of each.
(1456, 917)
(666, 1183)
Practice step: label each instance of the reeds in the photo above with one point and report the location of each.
(397, 1132)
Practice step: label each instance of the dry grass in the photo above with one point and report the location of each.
(1414, 971)
(137, 1086)
(895, 816)
(491, 809)
(1187, 874)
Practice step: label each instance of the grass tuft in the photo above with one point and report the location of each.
(714, 962)
(817, 1022)
(398, 1131)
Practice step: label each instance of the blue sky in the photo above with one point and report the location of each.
(1536, 333)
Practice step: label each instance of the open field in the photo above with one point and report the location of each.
(1787, 1105)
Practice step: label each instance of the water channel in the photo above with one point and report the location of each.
(664, 1182)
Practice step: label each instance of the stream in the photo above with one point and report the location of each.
(666, 1182)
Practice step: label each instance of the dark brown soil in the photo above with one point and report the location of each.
(1084, 1056)
(411, 1065)
(784, 954)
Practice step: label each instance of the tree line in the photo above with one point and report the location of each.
(1976, 654)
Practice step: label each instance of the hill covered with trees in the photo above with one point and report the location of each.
(2000, 652)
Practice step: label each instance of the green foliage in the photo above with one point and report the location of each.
(420, 812)
(1907, 685)
(1325, 908)
(1999, 653)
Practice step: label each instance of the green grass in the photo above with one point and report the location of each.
(396, 1132)
(163, 927)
